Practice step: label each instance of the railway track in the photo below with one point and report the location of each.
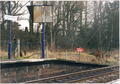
(78, 77)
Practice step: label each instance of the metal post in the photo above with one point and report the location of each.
(43, 42)
(15, 42)
(79, 56)
(40, 50)
(14, 50)
(18, 48)
(9, 48)
(66, 55)
(46, 52)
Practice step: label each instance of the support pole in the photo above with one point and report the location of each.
(18, 48)
(46, 52)
(43, 42)
(79, 56)
(14, 50)
(66, 55)
(9, 48)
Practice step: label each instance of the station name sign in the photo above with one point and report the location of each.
(10, 17)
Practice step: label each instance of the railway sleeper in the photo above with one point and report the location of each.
(57, 79)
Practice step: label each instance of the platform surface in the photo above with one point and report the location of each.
(114, 82)
(24, 60)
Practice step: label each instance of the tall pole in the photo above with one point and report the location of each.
(79, 56)
(43, 41)
(9, 48)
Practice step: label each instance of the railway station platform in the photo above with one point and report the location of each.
(21, 70)
(2, 61)
(114, 82)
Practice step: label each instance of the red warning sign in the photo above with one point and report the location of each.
(79, 49)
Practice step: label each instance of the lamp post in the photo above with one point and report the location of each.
(9, 48)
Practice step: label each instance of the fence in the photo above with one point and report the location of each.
(33, 50)
(4, 48)
(27, 49)
(18, 49)
(66, 55)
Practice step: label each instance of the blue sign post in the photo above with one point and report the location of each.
(43, 41)
(41, 14)
(9, 48)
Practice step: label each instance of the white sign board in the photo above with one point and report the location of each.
(9, 17)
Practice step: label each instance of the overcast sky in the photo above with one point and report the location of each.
(24, 23)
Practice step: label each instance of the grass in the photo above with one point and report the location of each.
(85, 57)
(19, 58)
(4, 57)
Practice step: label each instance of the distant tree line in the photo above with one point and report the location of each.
(87, 24)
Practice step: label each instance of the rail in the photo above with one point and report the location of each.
(67, 78)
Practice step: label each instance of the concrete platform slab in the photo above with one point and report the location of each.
(114, 82)
(24, 60)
